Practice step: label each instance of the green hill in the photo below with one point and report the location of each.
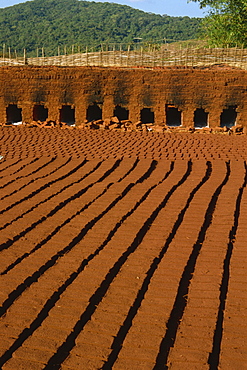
(50, 23)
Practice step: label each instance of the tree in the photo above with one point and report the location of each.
(226, 23)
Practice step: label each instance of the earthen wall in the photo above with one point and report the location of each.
(187, 89)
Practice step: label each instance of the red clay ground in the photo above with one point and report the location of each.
(116, 256)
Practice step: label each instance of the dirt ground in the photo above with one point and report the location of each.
(122, 251)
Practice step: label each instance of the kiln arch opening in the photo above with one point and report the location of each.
(121, 113)
(228, 117)
(200, 118)
(40, 113)
(94, 112)
(173, 116)
(13, 114)
(147, 116)
(67, 114)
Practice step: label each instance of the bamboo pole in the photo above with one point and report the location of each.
(186, 57)
(128, 55)
(241, 56)
(235, 56)
(43, 55)
(154, 56)
(114, 55)
(24, 56)
(86, 56)
(3, 53)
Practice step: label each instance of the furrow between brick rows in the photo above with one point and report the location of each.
(14, 191)
(22, 166)
(149, 322)
(59, 175)
(72, 210)
(184, 283)
(126, 236)
(154, 180)
(84, 262)
(233, 344)
(119, 307)
(63, 197)
(214, 356)
(76, 173)
(200, 315)
(53, 245)
(12, 166)
(32, 171)
(67, 206)
(39, 202)
(43, 211)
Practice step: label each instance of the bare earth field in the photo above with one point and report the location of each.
(122, 250)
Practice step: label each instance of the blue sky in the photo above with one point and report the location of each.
(170, 7)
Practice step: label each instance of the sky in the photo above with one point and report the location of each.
(169, 7)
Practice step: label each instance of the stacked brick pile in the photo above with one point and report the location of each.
(114, 124)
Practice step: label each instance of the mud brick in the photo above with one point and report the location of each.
(195, 302)
(87, 349)
(236, 343)
(33, 354)
(25, 310)
(147, 353)
(51, 332)
(103, 323)
(137, 339)
(17, 321)
(188, 355)
(22, 364)
(42, 342)
(82, 362)
(206, 283)
(65, 322)
(206, 279)
(165, 281)
(70, 307)
(196, 331)
(183, 342)
(9, 284)
(133, 363)
(237, 285)
(236, 305)
(156, 310)
(204, 268)
(5, 343)
(180, 365)
(227, 363)
(100, 339)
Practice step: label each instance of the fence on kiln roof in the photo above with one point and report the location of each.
(119, 55)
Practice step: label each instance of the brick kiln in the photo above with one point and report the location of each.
(177, 96)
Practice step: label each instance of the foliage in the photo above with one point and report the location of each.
(226, 24)
(52, 23)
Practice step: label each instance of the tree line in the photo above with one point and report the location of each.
(49, 24)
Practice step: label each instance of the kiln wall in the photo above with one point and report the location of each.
(187, 89)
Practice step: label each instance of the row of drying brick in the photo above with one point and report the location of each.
(77, 293)
(139, 171)
(24, 142)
